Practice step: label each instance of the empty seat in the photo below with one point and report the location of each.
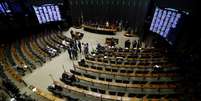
(122, 71)
(108, 80)
(118, 81)
(94, 89)
(131, 95)
(107, 69)
(101, 91)
(125, 81)
(99, 68)
(114, 70)
(120, 94)
(100, 78)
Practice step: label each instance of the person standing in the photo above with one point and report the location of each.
(75, 45)
(71, 44)
(112, 42)
(69, 52)
(79, 46)
(72, 34)
(86, 48)
(127, 44)
(138, 44)
(73, 53)
(134, 43)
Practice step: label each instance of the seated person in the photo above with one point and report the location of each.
(82, 62)
(64, 75)
(68, 78)
(113, 42)
(72, 78)
(65, 78)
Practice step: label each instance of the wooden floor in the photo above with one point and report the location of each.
(40, 77)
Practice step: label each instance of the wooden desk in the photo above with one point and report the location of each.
(99, 30)
(98, 96)
(46, 95)
(124, 59)
(87, 93)
(145, 86)
(126, 74)
(125, 66)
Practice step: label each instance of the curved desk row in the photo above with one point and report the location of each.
(92, 96)
(126, 66)
(126, 74)
(130, 85)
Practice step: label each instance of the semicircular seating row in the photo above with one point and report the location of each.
(150, 78)
(25, 55)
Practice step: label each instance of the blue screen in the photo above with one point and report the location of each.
(164, 22)
(4, 9)
(47, 13)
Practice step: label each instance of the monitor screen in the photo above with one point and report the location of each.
(47, 13)
(4, 9)
(165, 22)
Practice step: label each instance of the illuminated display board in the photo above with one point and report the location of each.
(164, 21)
(47, 13)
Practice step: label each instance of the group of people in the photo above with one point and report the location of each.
(76, 46)
(135, 44)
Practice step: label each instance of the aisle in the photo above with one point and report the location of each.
(40, 77)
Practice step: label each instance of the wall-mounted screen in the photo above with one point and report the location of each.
(165, 22)
(47, 13)
(4, 9)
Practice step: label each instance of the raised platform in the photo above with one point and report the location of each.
(99, 30)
